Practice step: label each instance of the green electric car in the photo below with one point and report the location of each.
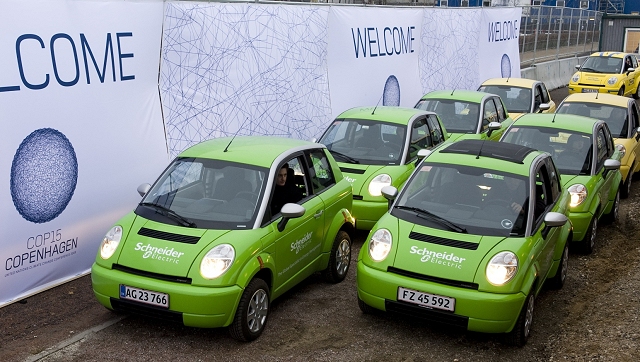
(470, 240)
(468, 114)
(205, 247)
(377, 147)
(588, 161)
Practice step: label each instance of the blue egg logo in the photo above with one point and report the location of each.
(44, 173)
(391, 93)
(505, 66)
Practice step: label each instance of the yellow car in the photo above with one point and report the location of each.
(622, 116)
(607, 72)
(520, 95)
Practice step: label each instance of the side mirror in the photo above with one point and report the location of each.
(290, 211)
(554, 219)
(578, 66)
(143, 189)
(493, 126)
(314, 140)
(631, 70)
(390, 193)
(425, 152)
(611, 164)
(544, 106)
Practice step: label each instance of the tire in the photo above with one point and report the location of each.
(253, 310)
(613, 215)
(589, 239)
(557, 281)
(621, 91)
(340, 258)
(626, 186)
(366, 308)
(521, 331)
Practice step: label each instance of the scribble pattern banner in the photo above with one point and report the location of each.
(288, 70)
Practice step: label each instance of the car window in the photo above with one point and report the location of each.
(437, 136)
(456, 116)
(545, 93)
(601, 147)
(320, 172)
(598, 64)
(615, 117)
(554, 179)
(538, 99)
(634, 118)
(543, 196)
(490, 114)
(420, 138)
(501, 114)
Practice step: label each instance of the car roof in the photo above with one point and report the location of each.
(391, 114)
(458, 94)
(516, 82)
(609, 54)
(251, 150)
(570, 122)
(491, 155)
(600, 98)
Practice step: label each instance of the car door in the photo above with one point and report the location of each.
(543, 199)
(634, 123)
(546, 98)
(631, 77)
(299, 243)
(603, 144)
(323, 185)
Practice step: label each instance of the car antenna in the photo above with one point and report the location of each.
(234, 136)
(480, 150)
(374, 108)
(453, 91)
(554, 117)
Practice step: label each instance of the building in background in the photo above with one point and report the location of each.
(605, 6)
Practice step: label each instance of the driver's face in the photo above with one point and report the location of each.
(282, 177)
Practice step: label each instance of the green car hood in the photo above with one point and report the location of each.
(165, 249)
(359, 175)
(460, 136)
(441, 254)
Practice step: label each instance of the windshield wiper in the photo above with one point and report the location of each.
(349, 159)
(431, 216)
(590, 70)
(170, 213)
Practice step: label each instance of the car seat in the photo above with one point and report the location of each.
(370, 138)
(231, 184)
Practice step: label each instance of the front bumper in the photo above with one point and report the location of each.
(580, 222)
(205, 307)
(474, 310)
(367, 213)
(575, 88)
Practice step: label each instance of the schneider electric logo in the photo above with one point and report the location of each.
(301, 243)
(444, 259)
(169, 255)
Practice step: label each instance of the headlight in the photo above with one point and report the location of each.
(217, 261)
(110, 242)
(575, 78)
(502, 267)
(578, 194)
(380, 245)
(612, 80)
(621, 149)
(378, 182)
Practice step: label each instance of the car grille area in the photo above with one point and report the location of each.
(133, 308)
(406, 310)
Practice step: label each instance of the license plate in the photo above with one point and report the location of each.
(144, 296)
(426, 299)
(588, 90)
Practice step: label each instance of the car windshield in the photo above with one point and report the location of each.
(615, 117)
(476, 200)
(206, 193)
(456, 116)
(602, 65)
(571, 151)
(516, 99)
(365, 142)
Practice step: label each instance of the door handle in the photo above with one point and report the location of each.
(318, 214)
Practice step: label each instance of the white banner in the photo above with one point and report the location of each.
(243, 68)
(499, 52)
(373, 57)
(82, 128)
